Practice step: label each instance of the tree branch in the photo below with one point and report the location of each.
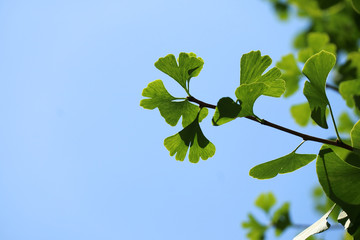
(281, 128)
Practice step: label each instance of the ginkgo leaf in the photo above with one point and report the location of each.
(265, 201)
(345, 123)
(316, 69)
(253, 83)
(350, 91)
(182, 70)
(190, 137)
(319, 226)
(281, 219)
(170, 107)
(301, 113)
(356, 5)
(226, 111)
(316, 42)
(291, 74)
(285, 164)
(355, 135)
(256, 229)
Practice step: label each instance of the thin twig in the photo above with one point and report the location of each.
(281, 128)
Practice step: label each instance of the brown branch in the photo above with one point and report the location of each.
(281, 128)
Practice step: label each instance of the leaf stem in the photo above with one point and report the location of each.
(333, 119)
(299, 145)
(281, 128)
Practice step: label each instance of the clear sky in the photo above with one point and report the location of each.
(80, 159)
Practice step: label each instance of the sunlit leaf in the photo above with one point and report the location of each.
(170, 107)
(256, 229)
(319, 226)
(265, 201)
(350, 91)
(290, 73)
(182, 70)
(253, 83)
(316, 42)
(345, 123)
(316, 69)
(226, 111)
(301, 113)
(190, 137)
(281, 219)
(285, 164)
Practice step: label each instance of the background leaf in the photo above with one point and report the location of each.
(316, 69)
(349, 90)
(265, 201)
(301, 113)
(316, 42)
(285, 164)
(290, 73)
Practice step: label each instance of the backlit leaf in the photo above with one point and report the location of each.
(256, 229)
(316, 69)
(285, 164)
(170, 108)
(253, 83)
(301, 113)
(182, 70)
(355, 135)
(190, 137)
(316, 42)
(290, 73)
(350, 91)
(226, 110)
(345, 123)
(265, 201)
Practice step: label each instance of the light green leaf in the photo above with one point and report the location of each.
(316, 42)
(187, 66)
(253, 83)
(170, 108)
(350, 91)
(265, 201)
(301, 113)
(256, 229)
(190, 137)
(355, 135)
(226, 111)
(345, 123)
(290, 73)
(281, 219)
(316, 69)
(285, 164)
(340, 180)
(319, 226)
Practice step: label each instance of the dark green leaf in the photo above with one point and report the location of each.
(356, 5)
(281, 219)
(285, 164)
(316, 69)
(253, 84)
(265, 201)
(190, 137)
(187, 66)
(323, 4)
(290, 73)
(226, 111)
(170, 108)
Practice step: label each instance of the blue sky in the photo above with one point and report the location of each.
(80, 159)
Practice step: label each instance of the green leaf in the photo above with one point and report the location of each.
(290, 73)
(190, 137)
(256, 229)
(355, 135)
(340, 180)
(281, 219)
(285, 164)
(350, 91)
(316, 42)
(316, 69)
(170, 108)
(187, 66)
(319, 226)
(253, 83)
(324, 4)
(265, 201)
(301, 113)
(226, 111)
(345, 123)
(356, 5)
